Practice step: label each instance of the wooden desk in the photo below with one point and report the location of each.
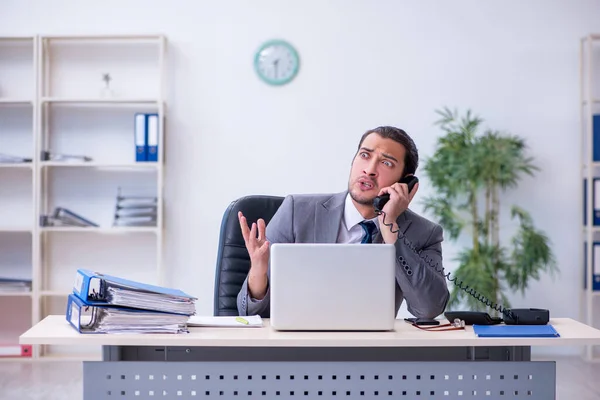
(263, 363)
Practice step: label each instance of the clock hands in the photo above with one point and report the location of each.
(275, 63)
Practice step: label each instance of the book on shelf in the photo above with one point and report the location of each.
(68, 158)
(65, 217)
(11, 159)
(14, 285)
(595, 266)
(15, 350)
(596, 137)
(146, 133)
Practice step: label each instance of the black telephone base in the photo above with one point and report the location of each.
(527, 316)
(472, 317)
(515, 316)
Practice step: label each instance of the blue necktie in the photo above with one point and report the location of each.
(369, 228)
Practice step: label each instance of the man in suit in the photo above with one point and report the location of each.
(385, 155)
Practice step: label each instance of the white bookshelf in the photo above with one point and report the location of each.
(18, 60)
(56, 101)
(590, 106)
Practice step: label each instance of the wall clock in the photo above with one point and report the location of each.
(276, 62)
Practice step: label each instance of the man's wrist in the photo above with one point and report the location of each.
(386, 219)
(257, 284)
(390, 233)
(389, 228)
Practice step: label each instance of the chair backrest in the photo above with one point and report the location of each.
(233, 261)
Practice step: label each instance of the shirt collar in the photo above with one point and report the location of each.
(351, 215)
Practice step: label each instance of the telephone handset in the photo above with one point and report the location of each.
(519, 316)
(380, 201)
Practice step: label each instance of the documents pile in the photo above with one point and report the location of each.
(14, 285)
(135, 211)
(10, 159)
(68, 158)
(107, 304)
(65, 217)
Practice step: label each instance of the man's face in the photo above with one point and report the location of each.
(378, 163)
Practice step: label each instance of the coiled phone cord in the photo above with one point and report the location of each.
(460, 284)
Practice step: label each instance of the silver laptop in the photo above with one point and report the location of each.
(332, 286)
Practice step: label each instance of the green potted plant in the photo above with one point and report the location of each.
(469, 171)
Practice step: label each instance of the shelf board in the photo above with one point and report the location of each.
(96, 164)
(16, 165)
(110, 230)
(15, 294)
(11, 38)
(54, 293)
(9, 100)
(104, 37)
(13, 359)
(8, 229)
(90, 100)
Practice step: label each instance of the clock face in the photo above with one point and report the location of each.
(276, 62)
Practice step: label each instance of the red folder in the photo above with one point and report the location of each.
(18, 350)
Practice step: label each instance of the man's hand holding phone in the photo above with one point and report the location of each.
(258, 250)
(399, 201)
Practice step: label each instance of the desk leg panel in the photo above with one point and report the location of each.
(318, 380)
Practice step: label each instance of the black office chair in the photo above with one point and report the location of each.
(233, 261)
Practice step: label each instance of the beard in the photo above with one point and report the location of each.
(361, 200)
(360, 197)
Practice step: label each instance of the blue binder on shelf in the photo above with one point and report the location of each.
(99, 289)
(152, 137)
(140, 137)
(595, 201)
(596, 137)
(503, 331)
(595, 266)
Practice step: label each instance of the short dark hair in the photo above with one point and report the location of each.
(411, 159)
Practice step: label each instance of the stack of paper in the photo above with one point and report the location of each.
(11, 159)
(135, 210)
(108, 319)
(131, 297)
(10, 285)
(226, 321)
(116, 320)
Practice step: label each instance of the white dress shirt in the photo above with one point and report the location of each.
(350, 231)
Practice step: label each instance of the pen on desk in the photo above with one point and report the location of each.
(242, 320)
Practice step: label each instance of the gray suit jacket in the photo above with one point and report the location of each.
(316, 219)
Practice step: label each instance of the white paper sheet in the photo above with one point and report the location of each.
(253, 321)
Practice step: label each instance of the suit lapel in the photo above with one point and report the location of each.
(328, 215)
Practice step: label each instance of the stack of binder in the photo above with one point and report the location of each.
(108, 304)
(135, 211)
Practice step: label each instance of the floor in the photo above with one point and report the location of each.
(54, 380)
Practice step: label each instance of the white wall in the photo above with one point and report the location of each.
(364, 64)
